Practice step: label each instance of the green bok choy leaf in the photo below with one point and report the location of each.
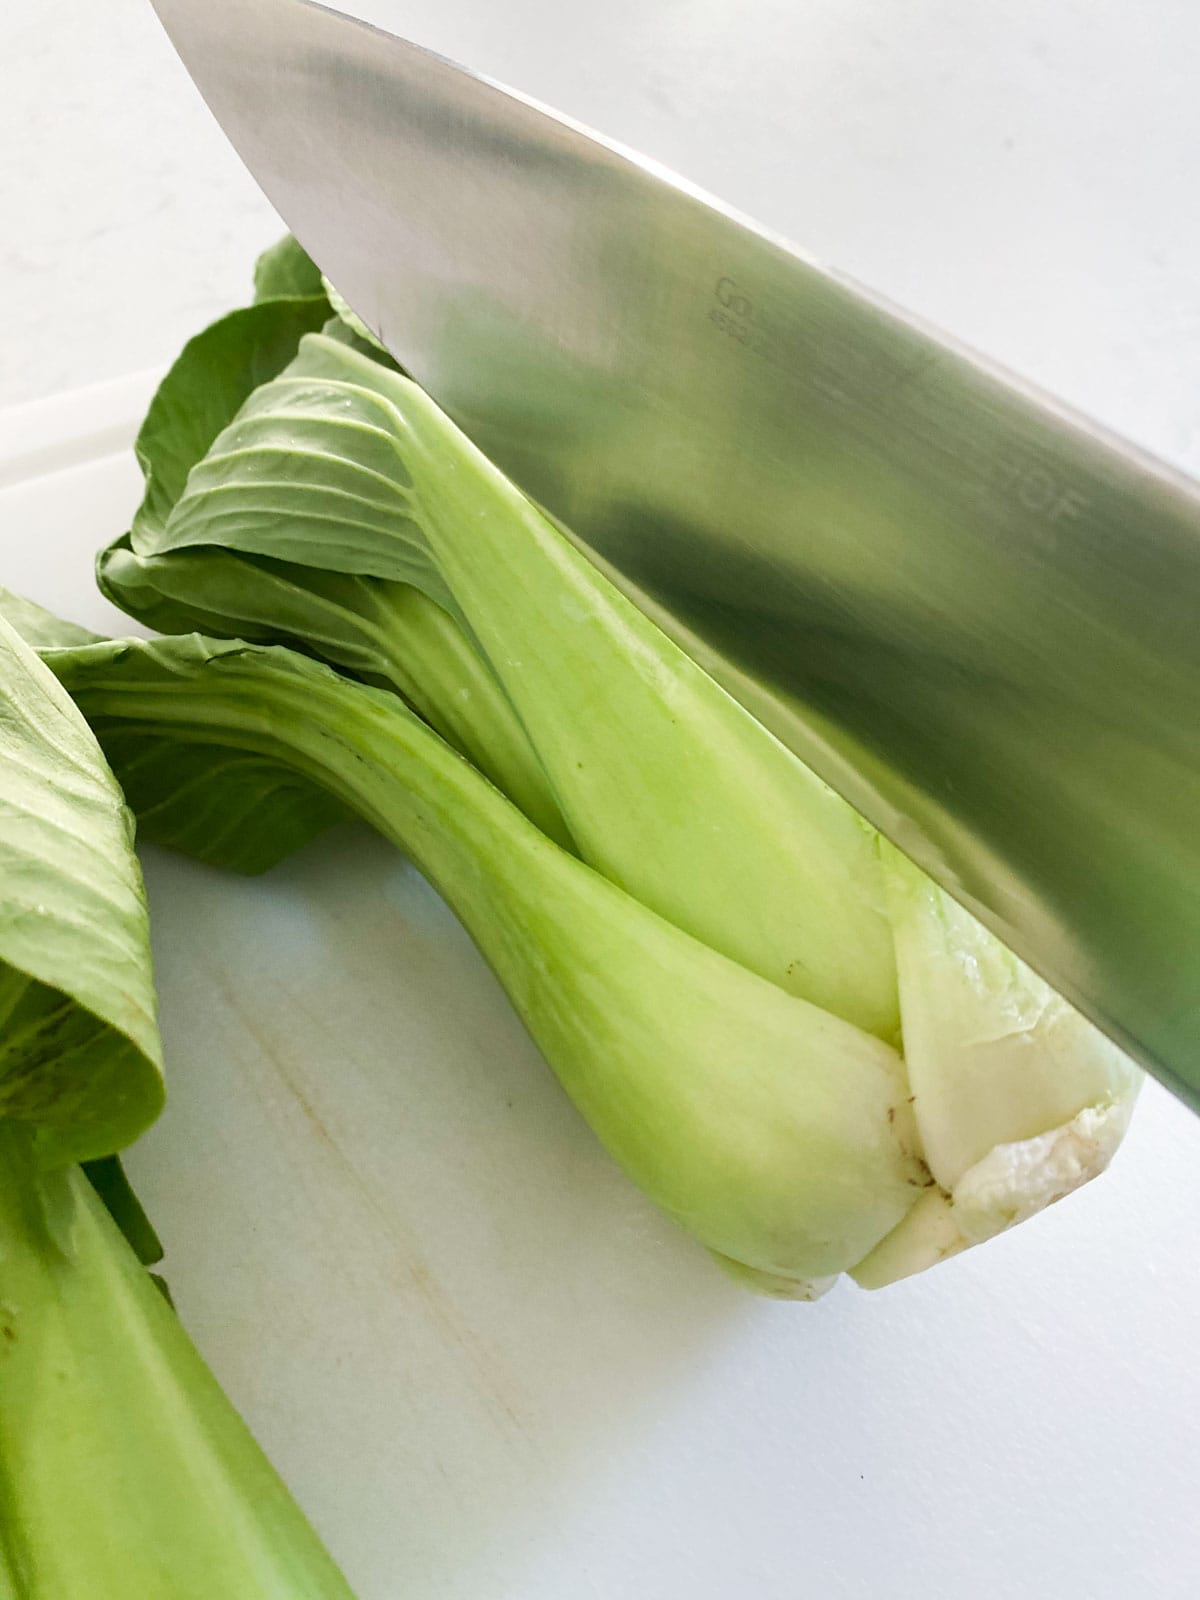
(384, 632)
(124, 1470)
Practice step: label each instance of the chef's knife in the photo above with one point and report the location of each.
(974, 613)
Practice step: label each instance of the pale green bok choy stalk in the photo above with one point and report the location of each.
(340, 472)
(124, 1470)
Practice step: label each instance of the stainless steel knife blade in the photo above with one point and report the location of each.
(974, 613)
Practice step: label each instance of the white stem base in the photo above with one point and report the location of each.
(1009, 1184)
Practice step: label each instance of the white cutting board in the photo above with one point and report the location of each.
(490, 1371)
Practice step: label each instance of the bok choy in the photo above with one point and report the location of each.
(777, 1132)
(334, 508)
(124, 1470)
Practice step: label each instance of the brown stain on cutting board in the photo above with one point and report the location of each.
(405, 1260)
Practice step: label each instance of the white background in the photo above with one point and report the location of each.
(485, 1366)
